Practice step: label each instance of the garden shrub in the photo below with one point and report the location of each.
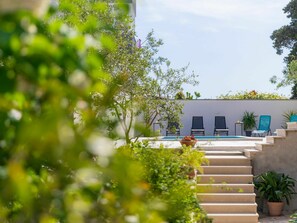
(252, 95)
(52, 170)
(166, 172)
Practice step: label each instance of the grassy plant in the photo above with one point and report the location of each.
(293, 218)
(287, 116)
(249, 120)
(275, 187)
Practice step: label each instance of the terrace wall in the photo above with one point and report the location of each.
(233, 111)
(282, 158)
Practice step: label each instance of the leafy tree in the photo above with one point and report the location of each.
(162, 87)
(149, 81)
(253, 95)
(286, 38)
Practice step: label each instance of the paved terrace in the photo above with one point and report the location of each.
(239, 144)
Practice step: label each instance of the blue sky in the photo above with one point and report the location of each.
(226, 42)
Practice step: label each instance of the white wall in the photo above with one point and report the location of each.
(233, 110)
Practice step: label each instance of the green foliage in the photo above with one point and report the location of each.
(275, 186)
(249, 120)
(293, 218)
(181, 96)
(164, 83)
(165, 171)
(287, 116)
(48, 171)
(285, 38)
(148, 81)
(197, 95)
(252, 95)
(51, 169)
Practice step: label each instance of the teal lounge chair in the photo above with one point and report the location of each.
(293, 118)
(264, 126)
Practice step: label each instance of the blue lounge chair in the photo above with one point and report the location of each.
(197, 126)
(220, 125)
(264, 126)
(293, 118)
(173, 129)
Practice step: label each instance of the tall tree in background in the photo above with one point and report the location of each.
(286, 37)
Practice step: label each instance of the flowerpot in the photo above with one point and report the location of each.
(248, 133)
(38, 7)
(275, 208)
(192, 174)
(188, 143)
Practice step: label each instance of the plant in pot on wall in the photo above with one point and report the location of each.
(275, 188)
(249, 122)
(188, 140)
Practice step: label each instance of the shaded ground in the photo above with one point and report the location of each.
(267, 219)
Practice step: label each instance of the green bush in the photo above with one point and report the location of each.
(166, 173)
(252, 95)
(52, 170)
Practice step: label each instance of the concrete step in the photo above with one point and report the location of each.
(273, 139)
(251, 153)
(281, 132)
(225, 178)
(219, 147)
(229, 208)
(234, 218)
(228, 160)
(223, 153)
(263, 146)
(227, 169)
(226, 188)
(226, 197)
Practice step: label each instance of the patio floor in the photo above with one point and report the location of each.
(239, 144)
(267, 219)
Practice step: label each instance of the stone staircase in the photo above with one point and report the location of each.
(278, 140)
(227, 192)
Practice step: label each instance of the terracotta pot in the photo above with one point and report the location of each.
(275, 208)
(192, 174)
(38, 7)
(188, 143)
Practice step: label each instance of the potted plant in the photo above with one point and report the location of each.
(249, 122)
(188, 140)
(275, 188)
